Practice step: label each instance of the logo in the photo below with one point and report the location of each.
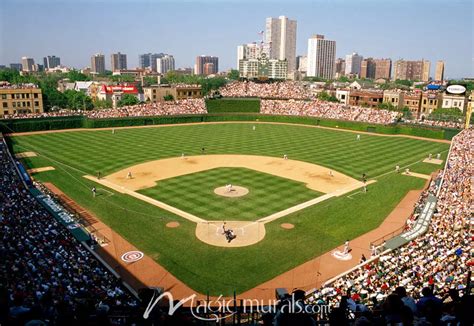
(456, 89)
(131, 256)
(221, 308)
(73, 226)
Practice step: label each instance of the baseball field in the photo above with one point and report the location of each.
(155, 175)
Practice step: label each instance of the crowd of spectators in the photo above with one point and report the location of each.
(187, 106)
(7, 85)
(328, 110)
(433, 268)
(439, 123)
(46, 276)
(276, 90)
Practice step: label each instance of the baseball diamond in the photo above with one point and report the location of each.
(215, 163)
(160, 175)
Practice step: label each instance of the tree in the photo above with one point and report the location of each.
(324, 96)
(404, 82)
(233, 74)
(148, 81)
(102, 104)
(315, 79)
(209, 84)
(77, 100)
(168, 97)
(75, 75)
(387, 106)
(446, 114)
(53, 98)
(122, 78)
(407, 115)
(128, 99)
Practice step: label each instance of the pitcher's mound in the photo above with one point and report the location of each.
(287, 226)
(235, 191)
(172, 225)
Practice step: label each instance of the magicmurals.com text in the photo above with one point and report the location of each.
(221, 308)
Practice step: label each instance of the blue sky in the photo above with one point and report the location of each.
(76, 29)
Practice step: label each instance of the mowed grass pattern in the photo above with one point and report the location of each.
(217, 270)
(100, 150)
(194, 193)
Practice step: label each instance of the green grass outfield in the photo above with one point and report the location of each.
(194, 193)
(222, 270)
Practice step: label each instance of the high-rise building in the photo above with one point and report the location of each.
(375, 68)
(248, 51)
(302, 63)
(383, 68)
(439, 73)
(98, 64)
(28, 64)
(367, 68)
(148, 60)
(208, 69)
(280, 35)
(16, 66)
(353, 62)
(411, 70)
(340, 67)
(202, 60)
(118, 61)
(263, 68)
(165, 64)
(144, 60)
(51, 61)
(38, 67)
(426, 71)
(321, 57)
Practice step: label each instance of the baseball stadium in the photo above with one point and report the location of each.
(239, 198)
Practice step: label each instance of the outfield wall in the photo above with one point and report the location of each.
(57, 123)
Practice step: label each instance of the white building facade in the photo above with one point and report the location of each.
(165, 64)
(321, 57)
(280, 35)
(249, 51)
(343, 95)
(454, 101)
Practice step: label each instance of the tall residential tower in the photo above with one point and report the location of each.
(98, 64)
(280, 35)
(118, 61)
(321, 57)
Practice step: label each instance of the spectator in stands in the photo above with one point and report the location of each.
(47, 274)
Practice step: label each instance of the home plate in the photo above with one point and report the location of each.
(339, 255)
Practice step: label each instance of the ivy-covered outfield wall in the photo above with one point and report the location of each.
(227, 105)
(57, 123)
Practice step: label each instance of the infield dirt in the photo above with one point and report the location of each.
(316, 177)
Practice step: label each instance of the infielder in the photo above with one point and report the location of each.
(346, 247)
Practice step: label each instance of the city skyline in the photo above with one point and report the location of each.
(186, 34)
